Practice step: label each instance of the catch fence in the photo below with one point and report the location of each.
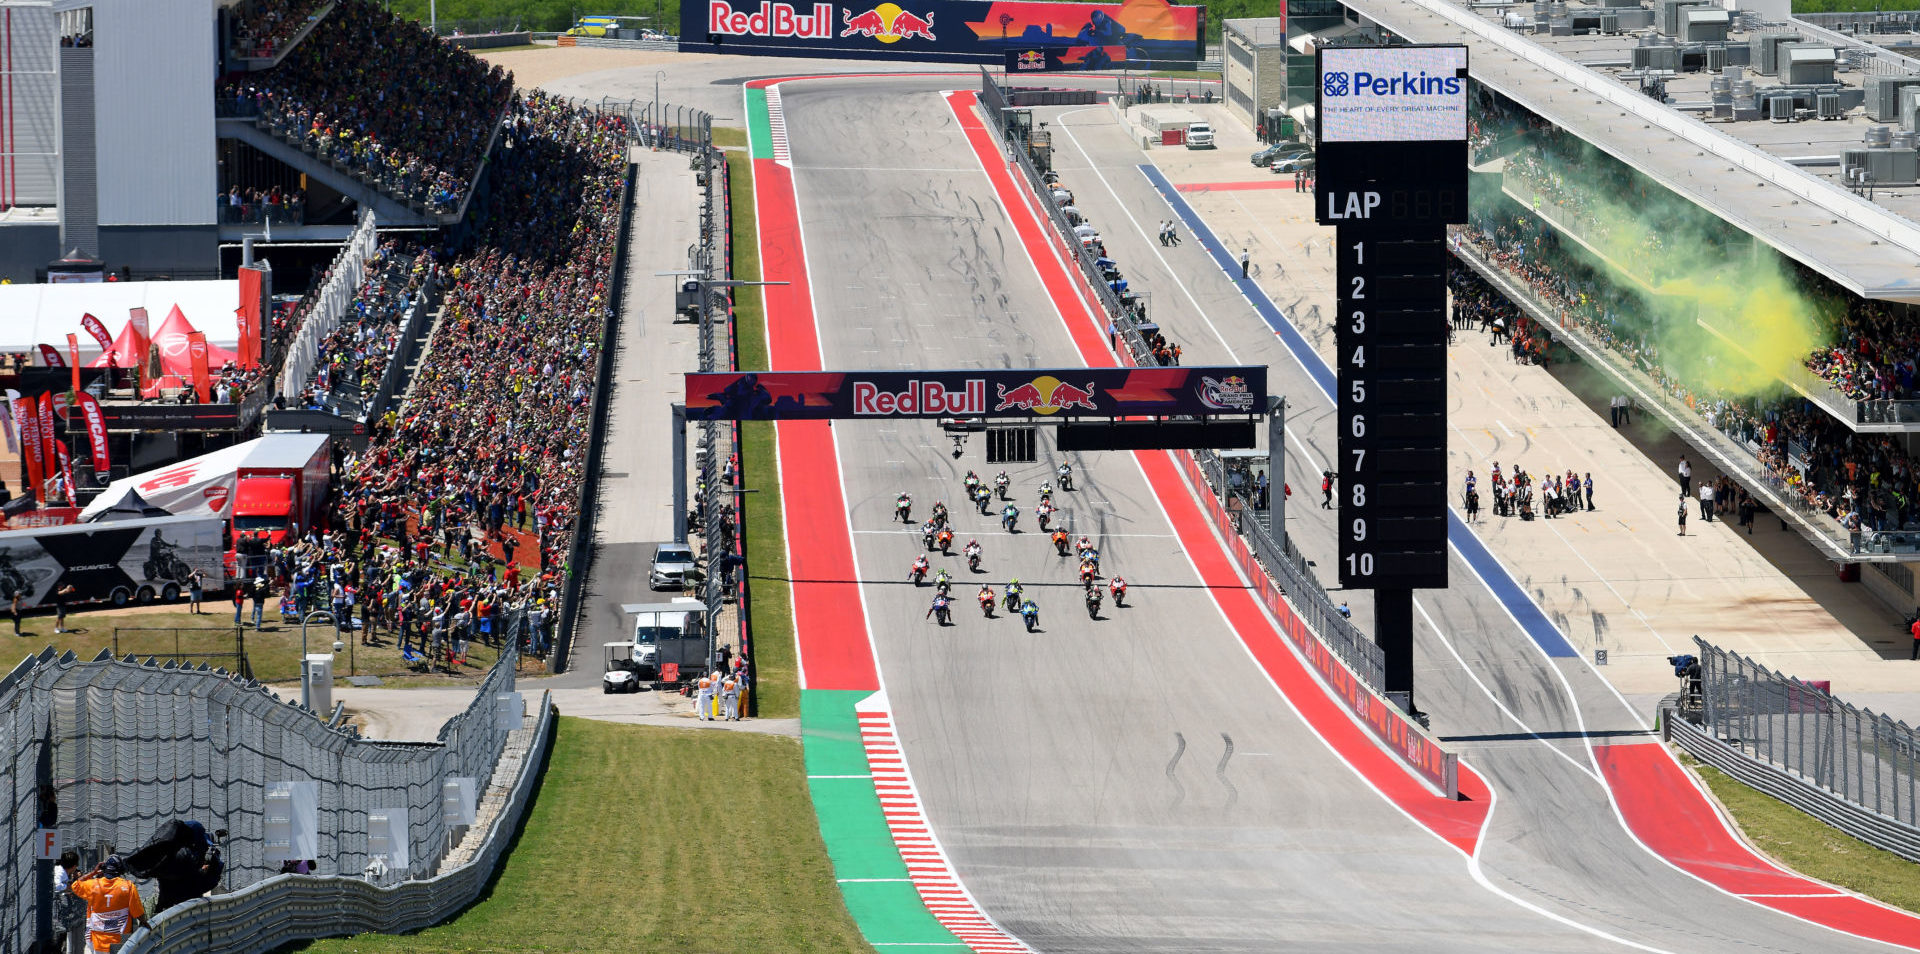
(109, 750)
(1275, 561)
(1814, 744)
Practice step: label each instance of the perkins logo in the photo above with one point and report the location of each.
(1339, 83)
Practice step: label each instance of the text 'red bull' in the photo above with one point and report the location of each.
(773, 19)
(921, 397)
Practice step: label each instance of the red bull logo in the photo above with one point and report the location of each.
(772, 19)
(886, 23)
(921, 397)
(1045, 395)
(1031, 60)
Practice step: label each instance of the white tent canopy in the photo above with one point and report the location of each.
(33, 315)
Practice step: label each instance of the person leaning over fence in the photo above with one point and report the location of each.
(113, 904)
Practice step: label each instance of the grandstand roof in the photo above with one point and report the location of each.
(1736, 170)
(45, 314)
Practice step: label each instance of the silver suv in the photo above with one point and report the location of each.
(673, 567)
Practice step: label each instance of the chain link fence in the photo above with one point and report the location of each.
(1798, 727)
(1266, 561)
(109, 750)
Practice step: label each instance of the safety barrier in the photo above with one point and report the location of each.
(1851, 768)
(1351, 665)
(108, 750)
(289, 908)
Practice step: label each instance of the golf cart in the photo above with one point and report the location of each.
(623, 674)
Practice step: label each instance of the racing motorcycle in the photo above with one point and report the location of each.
(973, 557)
(986, 601)
(903, 508)
(942, 609)
(1030, 614)
(1060, 542)
(1000, 484)
(1119, 587)
(1066, 478)
(1093, 602)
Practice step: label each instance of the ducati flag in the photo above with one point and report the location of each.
(98, 331)
(73, 352)
(47, 455)
(96, 435)
(197, 354)
(51, 355)
(27, 418)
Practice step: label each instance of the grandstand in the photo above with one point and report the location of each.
(255, 122)
(1718, 209)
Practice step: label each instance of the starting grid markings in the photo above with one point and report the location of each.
(927, 865)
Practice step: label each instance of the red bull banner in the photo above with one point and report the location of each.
(996, 393)
(1104, 35)
(96, 434)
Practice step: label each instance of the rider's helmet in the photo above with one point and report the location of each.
(1014, 582)
(973, 543)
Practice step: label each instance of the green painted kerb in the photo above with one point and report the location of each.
(759, 133)
(872, 877)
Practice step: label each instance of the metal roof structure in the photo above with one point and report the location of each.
(1739, 171)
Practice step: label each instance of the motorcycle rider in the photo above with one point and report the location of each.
(1087, 573)
(1093, 602)
(919, 571)
(1092, 556)
(1119, 587)
(986, 600)
(983, 498)
(946, 539)
(972, 551)
(1060, 541)
(1046, 490)
(1043, 513)
(1082, 545)
(1030, 613)
(1010, 517)
(1014, 592)
(942, 581)
(940, 512)
(1000, 482)
(1065, 473)
(939, 607)
(903, 507)
(972, 481)
(927, 532)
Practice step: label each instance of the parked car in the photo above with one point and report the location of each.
(1278, 151)
(673, 567)
(1199, 136)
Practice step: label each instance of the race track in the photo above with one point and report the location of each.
(1136, 782)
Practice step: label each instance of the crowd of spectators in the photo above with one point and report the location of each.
(480, 471)
(1874, 355)
(262, 27)
(1807, 454)
(275, 205)
(385, 100)
(355, 356)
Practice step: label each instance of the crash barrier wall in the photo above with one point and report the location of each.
(586, 508)
(333, 300)
(1053, 97)
(1351, 665)
(109, 750)
(723, 192)
(688, 130)
(288, 908)
(1849, 767)
(489, 41)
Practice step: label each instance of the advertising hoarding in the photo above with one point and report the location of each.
(1393, 94)
(1109, 35)
(1032, 393)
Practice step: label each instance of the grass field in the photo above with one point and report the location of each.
(1809, 846)
(742, 869)
(1853, 6)
(273, 652)
(770, 596)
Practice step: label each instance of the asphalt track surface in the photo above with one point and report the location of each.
(1136, 782)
